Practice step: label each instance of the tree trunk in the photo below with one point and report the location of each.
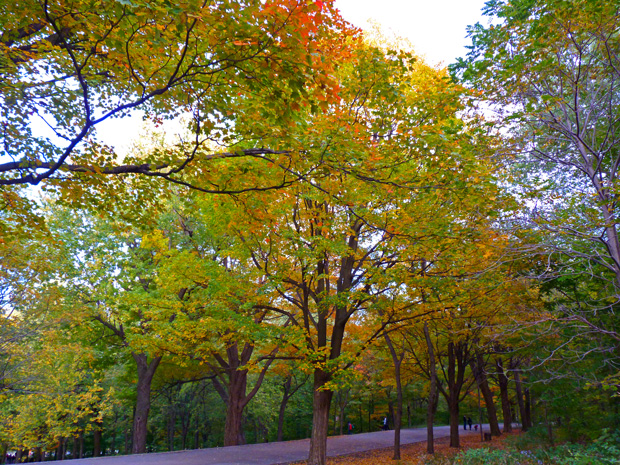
(113, 445)
(483, 384)
(185, 421)
(97, 442)
(287, 388)
(519, 391)
(398, 413)
(127, 441)
(321, 401)
(453, 397)
(432, 394)
(233, 430)
(503, 391)
(81, 444)
(172, 420)
(146, 371)
(528, 407)
(455, 421)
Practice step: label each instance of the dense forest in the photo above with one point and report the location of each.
(337, 232)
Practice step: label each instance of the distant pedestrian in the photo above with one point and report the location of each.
(385, 424)
(464, 422)
(350, 428)
(469, 422)
(476, 427)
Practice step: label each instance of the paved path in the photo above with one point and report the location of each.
(271, 453)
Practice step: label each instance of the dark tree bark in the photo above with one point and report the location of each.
(172, 420)
(458, 359)
(482, 381)
(285, 397)
(186, 417)
(321, 402)
(528, 407)
(231, 385)
(288, 393)
(432, 394)
(397, 360)
(127, 441)
(146, 371)
(97, 442)
(519, 391)
(502, 380)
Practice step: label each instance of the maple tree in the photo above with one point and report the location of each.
(357, 214)
(551, 69)
(330, 247)
(67, 66)
(213, 305)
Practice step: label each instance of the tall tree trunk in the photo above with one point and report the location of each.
(321, 402)
(172, 420)
(233, 430)
(503, 391)
(361, 417)
(398, 413)
(432, 394)
(127, 441)
(453, 397)
(455, 421)
(519, 391)
(185, 422)
(82, 444)
(146, 371)
(113, 446)
(59, 450)
(283, 402)
(483, 384)
(97, 442)
(528, 407)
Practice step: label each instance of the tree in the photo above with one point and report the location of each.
(553, 66)
(336, 249)
(68, 66)
(109, 276)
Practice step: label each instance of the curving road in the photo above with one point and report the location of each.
(273, 452)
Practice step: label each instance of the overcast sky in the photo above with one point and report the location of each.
(436, 28)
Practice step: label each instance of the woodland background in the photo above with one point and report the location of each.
(338, 233)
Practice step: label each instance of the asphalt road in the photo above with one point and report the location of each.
(273, 452)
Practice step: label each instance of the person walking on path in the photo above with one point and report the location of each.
(469, 422)
(464, 422)
(385, 424)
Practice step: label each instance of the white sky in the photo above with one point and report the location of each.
(436, 29)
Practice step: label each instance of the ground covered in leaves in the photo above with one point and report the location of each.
(415, 454)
